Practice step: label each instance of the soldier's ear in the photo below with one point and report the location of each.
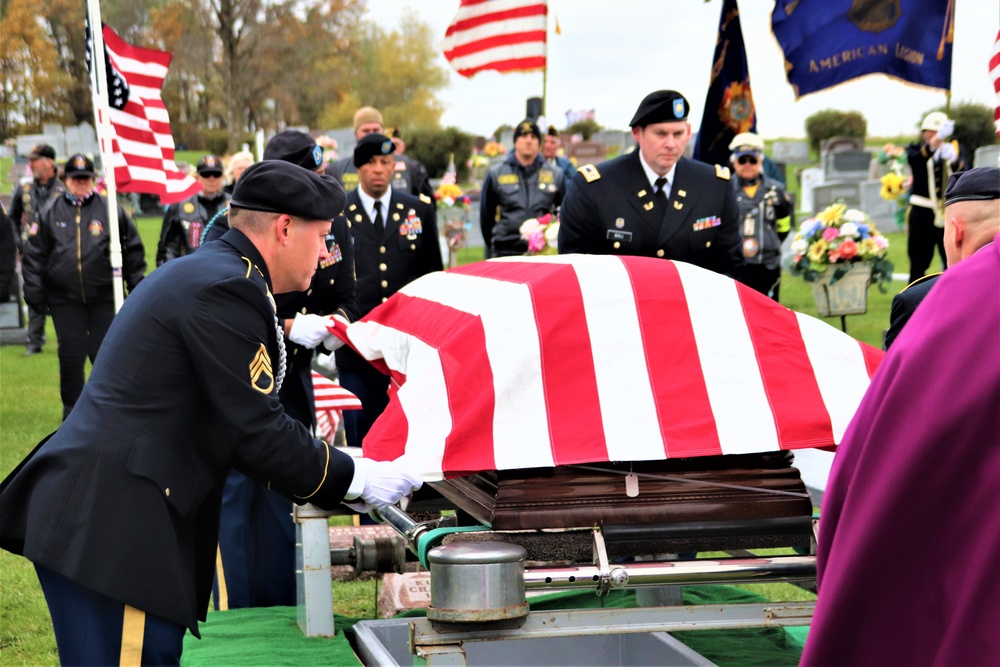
(283, 228)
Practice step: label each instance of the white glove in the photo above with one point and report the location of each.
(945, 152)
(946, 129)
(331, 342)
(378, 483)
(308, 330)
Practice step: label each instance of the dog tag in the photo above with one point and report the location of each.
(631, 485)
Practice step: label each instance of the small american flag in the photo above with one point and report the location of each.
(528, 362)
(501, 35)
(331, 401)
(143, 145)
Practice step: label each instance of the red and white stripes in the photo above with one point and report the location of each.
(552, 360)
(501, 35)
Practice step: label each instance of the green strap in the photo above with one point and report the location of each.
(432, 538)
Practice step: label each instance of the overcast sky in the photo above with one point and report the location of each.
(611, 53)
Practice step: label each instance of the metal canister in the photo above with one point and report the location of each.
(479, 583)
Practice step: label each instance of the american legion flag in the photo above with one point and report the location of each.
(526, 362)
(501, 35)
(142, 145)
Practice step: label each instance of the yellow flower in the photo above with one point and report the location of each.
(832, 215)
(817, 251)
(892, 186)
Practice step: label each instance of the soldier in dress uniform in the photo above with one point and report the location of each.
(763, 203)
(522, 187)
(119, 508)
(185, 222)
(932, 160)
(653, 202)
(257, 534)
(395, 242)
(30, 197)
(408, 175)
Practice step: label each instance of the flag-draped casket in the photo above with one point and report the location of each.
(533, 362)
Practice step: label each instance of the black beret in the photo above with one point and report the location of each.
(79, 165)
(295, 147)
(209, 164)
(982, 183)
(42, 150)
(277, 186)
(371, 145)
(527, 127)
(663, 106)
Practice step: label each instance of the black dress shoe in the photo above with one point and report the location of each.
(32, 350)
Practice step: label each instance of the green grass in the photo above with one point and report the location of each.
(30, 408)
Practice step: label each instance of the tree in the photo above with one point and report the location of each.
(585, 128)
(29, 74)
(397, 75)
(834, 123)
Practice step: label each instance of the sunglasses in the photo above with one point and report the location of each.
(747, 159)
(211, 175)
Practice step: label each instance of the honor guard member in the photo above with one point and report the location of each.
(256, 533)
(185, 222)
(932, 160)
(653, 202)
(522, 187)
(30, 197)
(764, 209)
(67, 270)
(395, 242)
(119, 508)
(971, 222)
(408, 175)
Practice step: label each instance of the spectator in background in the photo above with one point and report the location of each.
(30, 197)
(932, 160)
(67, 269)
(185, 221)
(8, 255)
(764, 205)
(237, 164)
(550, 149)
(522, 187)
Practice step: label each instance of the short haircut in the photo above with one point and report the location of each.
(247, 220)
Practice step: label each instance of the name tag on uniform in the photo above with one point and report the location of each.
(707, 223)
(508, 179)
(615, 235)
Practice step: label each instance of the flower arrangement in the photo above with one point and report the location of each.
(449, 195)
(839, 237)
(329, 146)
(478, 160)
(494, 149)
(542, 234)
(895, 183)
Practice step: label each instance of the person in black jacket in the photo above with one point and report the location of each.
(67, 268)
(119, 509)
(8, 255)
(395, 242)
(185, 221)
(654, 202)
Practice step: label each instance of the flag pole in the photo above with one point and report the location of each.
(102, 118)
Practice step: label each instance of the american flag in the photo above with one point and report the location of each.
(331, 401)
(995, 75)
(501, 35)
(143, 145)
(530, 362)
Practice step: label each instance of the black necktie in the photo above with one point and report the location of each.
(660, 194)
(379, 222)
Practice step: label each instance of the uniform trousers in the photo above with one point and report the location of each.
(36, 328)
(80, 329)
(93, 629)
(921, 239)
(764, 280)
(256, 563)
(372, 387)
